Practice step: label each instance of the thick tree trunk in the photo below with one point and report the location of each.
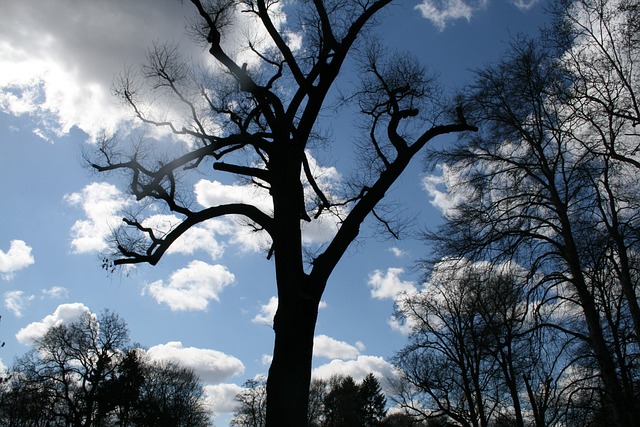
(290, 372)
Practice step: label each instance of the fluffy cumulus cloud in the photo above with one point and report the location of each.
(330, 348)
(267, 312)
(220, 398)
(63, 314)
(389, 285)
(212, 193)
(212, 366)
(320, 230)
(197, 238)
(357, 368)
(17, 301)
(101, 203)
(16, 258)
(192, 287)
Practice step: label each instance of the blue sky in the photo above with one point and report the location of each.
(209, 304)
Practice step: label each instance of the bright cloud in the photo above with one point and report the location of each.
(389, 285)
(397, 252)
(439, 12)
(220, 398)
(357, 369)
(267, 312)
(16, 258)
(17, 301)
(64, 314)
(213, 193)
(439, 188)
(101, 203)
(58, 58)
(212, 366)
(324, 346)
(193, 287)
(200, 237)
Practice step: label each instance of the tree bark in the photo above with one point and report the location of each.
(290, 371)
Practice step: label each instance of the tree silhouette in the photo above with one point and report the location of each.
(83, 374)
(258, 121)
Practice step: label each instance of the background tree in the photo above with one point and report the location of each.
(548, 185)
(170, 395)
(339, 401)
(252, 404)
(258, 121)
(84, 374)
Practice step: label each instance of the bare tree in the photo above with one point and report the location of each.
(257, 121)
(252, 401)
(532, 198)
(69, 366)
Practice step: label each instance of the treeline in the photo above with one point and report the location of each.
(529, 315)
(87, 373)
(337, 402)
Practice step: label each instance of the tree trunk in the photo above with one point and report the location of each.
(290, 371)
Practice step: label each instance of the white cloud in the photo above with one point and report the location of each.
(398, 252)
(55, 292)
(101, 203)
(357, 369)
(212, 366)
(389, 285)
(193, 287)
(320, 230)
(439, 188)
(213, 193)
(16, 258)
(64, 313)
(17, 301)
(324, 346)
(220, 398)
(266, 359)
(439, 12)
(199, 237)
(267, 312)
